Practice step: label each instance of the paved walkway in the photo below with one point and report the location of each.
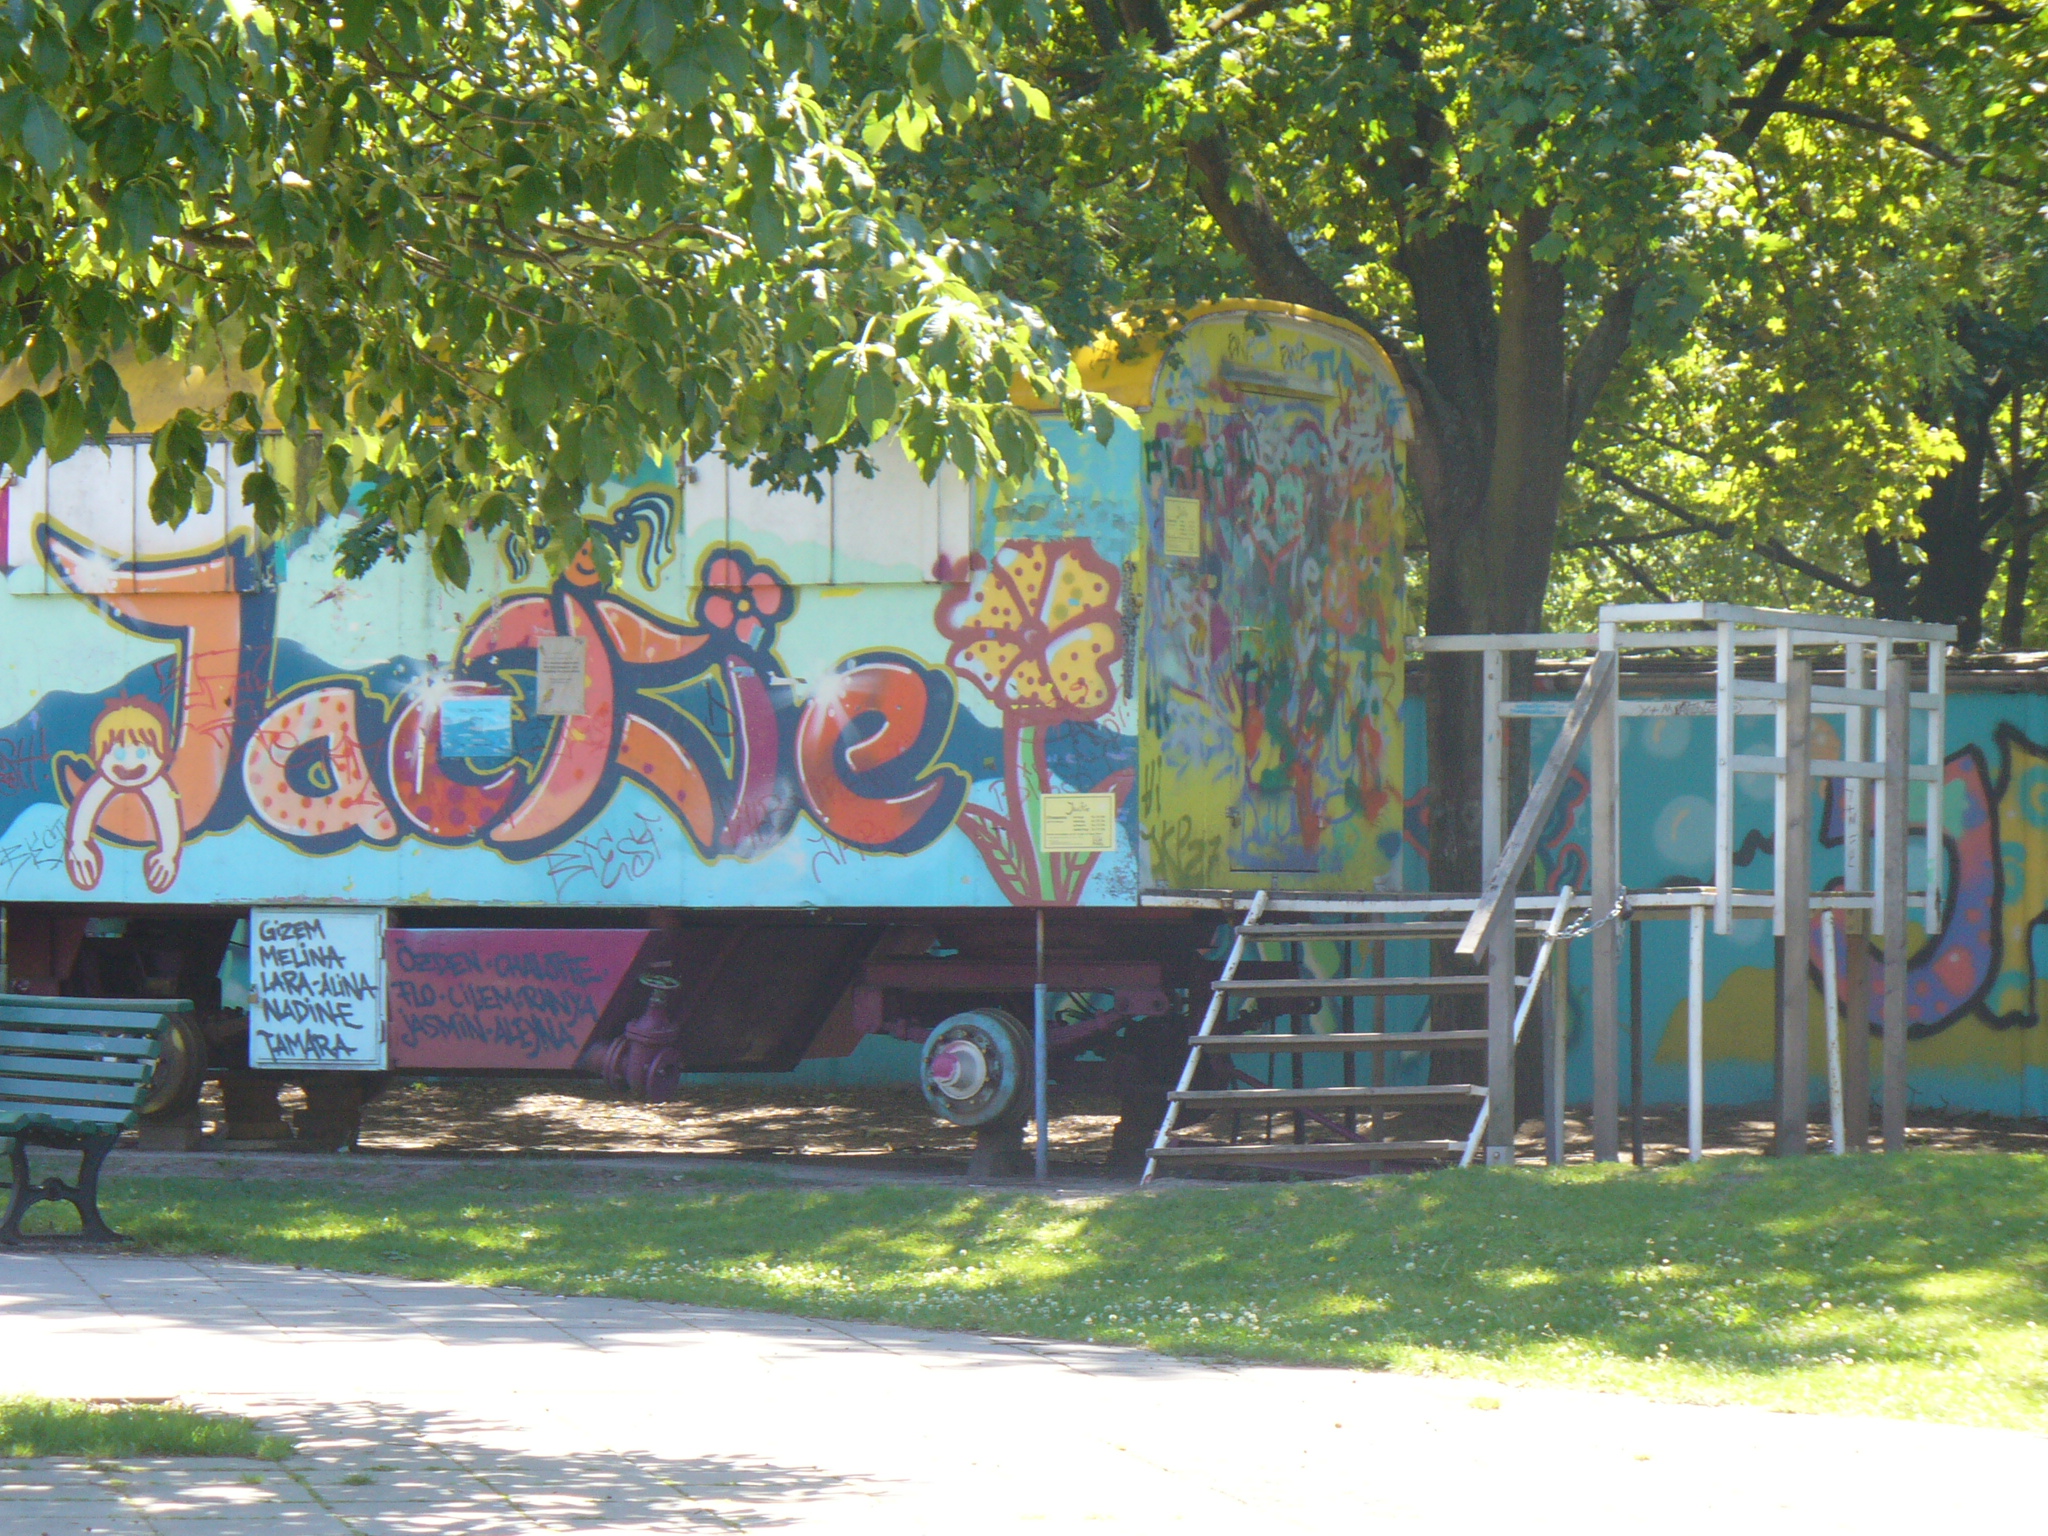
(425, 1408)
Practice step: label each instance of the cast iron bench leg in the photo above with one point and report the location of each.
(83, 1197)
(20, 1197)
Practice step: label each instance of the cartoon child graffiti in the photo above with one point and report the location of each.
(131, 747)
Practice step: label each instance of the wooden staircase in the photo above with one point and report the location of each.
(1264, 1007)
(1405, 1124)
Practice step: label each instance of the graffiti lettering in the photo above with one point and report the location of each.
(39, 850)
(557, 966)
(865, 744)
(700, 713)
(305, 1045)
(607, 858)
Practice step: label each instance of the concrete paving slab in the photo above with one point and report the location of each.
(422, 1408)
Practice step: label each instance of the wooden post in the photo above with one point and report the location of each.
(1795, 880)
(1856, 1032)
(1556, 1040)
(1493, 759)
(1606, 854)
(1695, 1033)
(1635, 1043)
(1500, 1038)
(1898, 740)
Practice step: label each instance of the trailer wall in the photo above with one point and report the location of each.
(877, 698)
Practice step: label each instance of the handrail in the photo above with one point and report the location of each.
(1552, 932)
(1209, 1020)
(1521, 844)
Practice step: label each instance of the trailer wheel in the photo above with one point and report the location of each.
(180, 1070)
(976, 1068)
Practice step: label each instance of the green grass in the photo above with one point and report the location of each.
(58, 1426)
(1913, 1287)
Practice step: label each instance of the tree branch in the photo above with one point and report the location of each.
(1765, 102)
(1990, 16)
(1599, 354)
(1245, 10)
(1621, 541)
(1877, 125)
(1643, 578)
(1254, 231)
(1773, 549)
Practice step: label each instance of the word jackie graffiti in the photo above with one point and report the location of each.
(319, 993)
(700, 713)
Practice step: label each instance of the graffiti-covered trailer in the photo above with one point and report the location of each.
(780, 783)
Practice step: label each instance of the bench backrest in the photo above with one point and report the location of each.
(78, 1070)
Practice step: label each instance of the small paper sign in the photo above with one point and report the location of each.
(1077, 824)
(316, 997)
(559, 675)
(1183, 528)
(477, 725)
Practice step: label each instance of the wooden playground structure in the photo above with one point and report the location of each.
(1792, 668)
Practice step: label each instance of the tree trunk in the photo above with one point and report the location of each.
(1489, 468)
(1952, 583)
(2019, 572)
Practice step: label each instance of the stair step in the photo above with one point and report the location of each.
(1288, 932)
(1283, 1152)
(1331, 1098)
(1411, 1040)
(1352, 986)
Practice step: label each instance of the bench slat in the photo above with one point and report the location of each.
(57, 1016)
(83, 1120)
(72, 1069)
(10, 1002)
(82, 1045)
(42, 1090)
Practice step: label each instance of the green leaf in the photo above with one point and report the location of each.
(451, 557)
(956, 71)
(29, 414)
(49, 139)
(65, 429)
(832, 399)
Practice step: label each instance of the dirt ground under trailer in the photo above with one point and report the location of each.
(889, 1129)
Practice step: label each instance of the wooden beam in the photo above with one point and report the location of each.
(1506, 873)
(1606, 856)
(1856, 1032)
(1557, 991)
(1795, 879)
(1502, 1115)
(1898, 738)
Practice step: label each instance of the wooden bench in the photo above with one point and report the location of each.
(74, 1072)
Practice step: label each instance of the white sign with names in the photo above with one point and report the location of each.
(316, 996)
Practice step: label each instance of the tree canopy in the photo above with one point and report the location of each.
(497, 252)
(1747, 291)
(1570, 223)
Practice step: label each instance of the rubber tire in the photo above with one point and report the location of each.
(180, 1070)
(1005, 1045)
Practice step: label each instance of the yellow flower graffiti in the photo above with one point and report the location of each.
(1037, 630)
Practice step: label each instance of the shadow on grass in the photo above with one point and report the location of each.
(1911, 1285)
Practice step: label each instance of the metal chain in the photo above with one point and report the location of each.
(1591, 924)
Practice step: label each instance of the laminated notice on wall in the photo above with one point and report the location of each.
(1077, 823)
(316, 996)
(1183, 528)
(559, 675)
(477, 725)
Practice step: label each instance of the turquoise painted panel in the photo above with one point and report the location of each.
(778, 701)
